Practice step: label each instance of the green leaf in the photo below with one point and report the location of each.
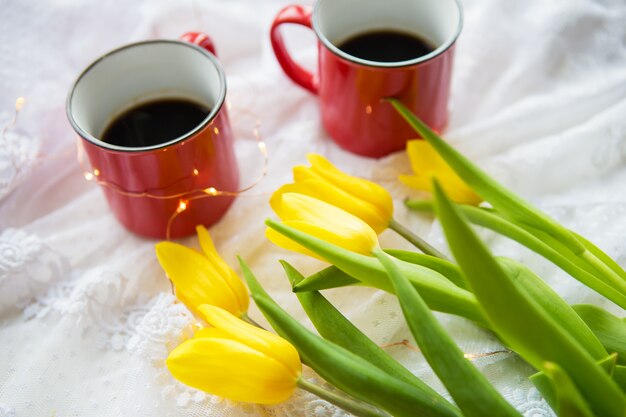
(507, 202)
(342, 368)
(601, 255)
(444, 267)
(438, 292)
(334, 327)
(555, 307)
(586, 260)
(610, 329)
(330, 277)
(470, 389)
(333, 277)
(558, 254)
(546, 388)
(619, 376)
(543, 383)
(519, 320)
(570, 402)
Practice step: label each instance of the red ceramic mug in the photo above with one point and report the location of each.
(350, 88)
(147, 185)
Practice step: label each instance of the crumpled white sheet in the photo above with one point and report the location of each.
(86, 318)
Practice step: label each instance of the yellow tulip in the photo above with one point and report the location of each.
(426, 165)
(368, 201)
(324, 221)
(203, 278)
(236, 360)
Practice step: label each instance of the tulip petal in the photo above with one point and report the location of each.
(423, 157)
(196, 280)
(510, 204)
(419, 183)
(269, 344)
(284, 242)
(328, 222)
(232, 370)
(457, 191)
(213, 332)
(206, 243)
(426, 164)
(354, 239)
(236, 284)
(303, 173)
(361, 188)
(327, 192)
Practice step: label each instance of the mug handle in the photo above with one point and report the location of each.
(299, 15)
(201, 39)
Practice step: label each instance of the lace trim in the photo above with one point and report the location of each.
(17, 154)
(530, 403)
(6, 411)
(27, 268)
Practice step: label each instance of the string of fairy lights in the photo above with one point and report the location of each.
(185, 199)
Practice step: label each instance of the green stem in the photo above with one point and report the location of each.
(541, 243)
(350, 405)
(415, 240)
(615, 280)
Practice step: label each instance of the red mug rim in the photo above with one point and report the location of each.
(211, 116)
(400, 64)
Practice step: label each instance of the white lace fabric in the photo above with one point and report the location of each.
(86, 313)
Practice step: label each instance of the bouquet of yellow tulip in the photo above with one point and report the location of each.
(579, 351)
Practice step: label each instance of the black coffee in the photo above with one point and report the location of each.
(155, 122)
(386, 46)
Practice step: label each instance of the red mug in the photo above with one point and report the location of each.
(147, 187)
(351, 89)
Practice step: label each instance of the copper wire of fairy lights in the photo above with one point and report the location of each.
(470, 356)
(184, 198)
(187, 197)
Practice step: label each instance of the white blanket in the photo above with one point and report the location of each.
(86, 316)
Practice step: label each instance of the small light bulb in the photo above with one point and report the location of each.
(96, 172)
(368, 109)
(195, 172)
(19, 103)
(262, 147)
(210, 191)
(216, 130)
(182, 206)
(88, 176)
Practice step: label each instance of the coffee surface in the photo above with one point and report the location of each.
(155, 122)
(386, 46)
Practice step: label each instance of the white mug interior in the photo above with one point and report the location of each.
(438, 22)
(142, 72)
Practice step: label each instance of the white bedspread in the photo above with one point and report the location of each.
(86, 316)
